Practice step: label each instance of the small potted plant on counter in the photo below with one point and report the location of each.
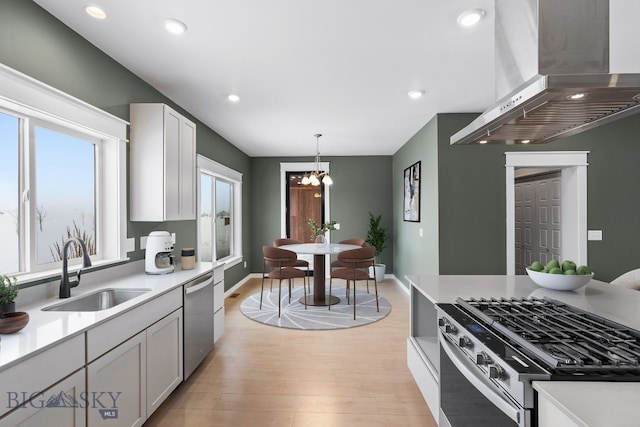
(318, 231)
(10, 320)
(377, 237)
(8, 294)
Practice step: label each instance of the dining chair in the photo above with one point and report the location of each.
(356, 241)
(300, 263)
(357, 262)
(281, 264)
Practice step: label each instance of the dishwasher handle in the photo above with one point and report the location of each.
(199, 283)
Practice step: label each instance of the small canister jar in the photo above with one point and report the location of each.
(188, 259)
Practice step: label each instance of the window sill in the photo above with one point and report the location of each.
(231, 262)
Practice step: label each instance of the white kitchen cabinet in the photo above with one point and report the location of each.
(218, 302)
(164, 359)
(120, 378)
(54, 406)
(423, 351)
(61, 360)
(162, 164)
(145, 368)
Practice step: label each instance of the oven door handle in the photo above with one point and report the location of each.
(480, 382)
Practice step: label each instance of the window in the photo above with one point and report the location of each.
(62, 176)
(219, 201)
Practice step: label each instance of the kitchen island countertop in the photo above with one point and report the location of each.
(579, 403)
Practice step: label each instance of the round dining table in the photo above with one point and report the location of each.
(319, 251)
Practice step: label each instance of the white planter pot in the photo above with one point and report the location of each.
(380, 269)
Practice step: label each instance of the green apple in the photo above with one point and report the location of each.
(583, 269)
(536, 266)
(568, 265)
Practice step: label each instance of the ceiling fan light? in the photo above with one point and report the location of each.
(470, 17)
(175, 26)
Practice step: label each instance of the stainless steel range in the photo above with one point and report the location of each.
(492, 349)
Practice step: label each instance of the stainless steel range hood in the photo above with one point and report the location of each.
(552, 74)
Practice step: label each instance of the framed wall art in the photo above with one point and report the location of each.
(412, 193)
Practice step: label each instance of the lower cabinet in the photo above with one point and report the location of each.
(119, 377)
(164, 359)
(62, 404)
(135, 377)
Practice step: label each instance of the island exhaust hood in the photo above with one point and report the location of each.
(552, 73)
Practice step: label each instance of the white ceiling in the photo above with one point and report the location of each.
(342, 68)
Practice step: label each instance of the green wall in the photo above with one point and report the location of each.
(361, 185)
(471, 199)
(40, 46)
(414, 254)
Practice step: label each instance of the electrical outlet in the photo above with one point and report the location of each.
(173, 238)
(420, 233)
(143, 242)
(594, 234)
(245, 264)
(130, 244)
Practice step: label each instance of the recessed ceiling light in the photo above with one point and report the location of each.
(525, 141)
(484, 141)
(471, 17)
(174, 26)
(232, 97)
(415, 94)
(95, 12)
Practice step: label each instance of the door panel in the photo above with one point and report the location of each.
(538, 201)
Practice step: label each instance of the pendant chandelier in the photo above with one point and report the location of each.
(315, 177)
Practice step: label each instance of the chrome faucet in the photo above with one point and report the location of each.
(65, 283)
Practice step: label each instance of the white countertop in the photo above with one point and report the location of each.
(616, 303)
(46, 328)
(594, 404)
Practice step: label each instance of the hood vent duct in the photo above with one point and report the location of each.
(552, 74)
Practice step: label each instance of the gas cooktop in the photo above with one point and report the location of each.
(564, 338)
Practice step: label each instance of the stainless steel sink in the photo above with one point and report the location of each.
(97, 301)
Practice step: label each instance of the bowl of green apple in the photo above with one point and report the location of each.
(565, 276)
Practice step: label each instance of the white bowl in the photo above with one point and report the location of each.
(559, 282)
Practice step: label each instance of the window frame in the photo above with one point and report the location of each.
(218, 171)
(29, 99)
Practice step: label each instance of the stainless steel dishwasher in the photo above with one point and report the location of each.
(198, 321)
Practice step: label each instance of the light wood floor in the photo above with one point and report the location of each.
(261, 375)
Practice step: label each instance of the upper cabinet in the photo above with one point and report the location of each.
(162, 164)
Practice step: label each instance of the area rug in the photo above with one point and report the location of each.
(294, 315)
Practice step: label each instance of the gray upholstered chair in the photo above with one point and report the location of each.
(357, 262)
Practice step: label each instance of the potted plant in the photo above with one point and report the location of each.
(8, 294)
(318, 231)
(377, 236)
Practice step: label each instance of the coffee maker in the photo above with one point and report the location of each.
(158, 257)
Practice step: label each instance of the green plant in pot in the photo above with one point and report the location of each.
(377, 236)
(318, 231)
(8, 294)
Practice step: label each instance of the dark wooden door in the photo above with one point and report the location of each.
(303, 202)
